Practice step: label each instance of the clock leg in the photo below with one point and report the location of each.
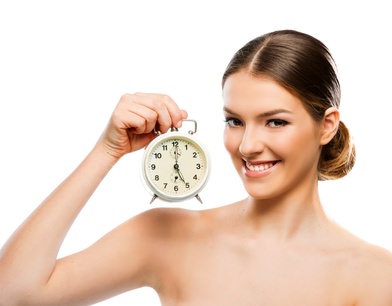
(199, 199)
(153, 198)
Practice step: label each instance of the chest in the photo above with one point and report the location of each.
(227, 274)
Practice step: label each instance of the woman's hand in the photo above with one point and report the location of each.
(132, 124)
(31, 273)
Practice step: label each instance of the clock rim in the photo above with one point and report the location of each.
(155, 191)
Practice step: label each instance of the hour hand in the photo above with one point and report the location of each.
(177, 168)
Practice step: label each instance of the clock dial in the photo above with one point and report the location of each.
(175, 167)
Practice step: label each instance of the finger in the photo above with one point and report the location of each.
(134, 115)
(141, 118)
(169, 114)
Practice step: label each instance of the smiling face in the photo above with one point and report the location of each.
(273, 141)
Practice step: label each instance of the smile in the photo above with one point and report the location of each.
(259, 167)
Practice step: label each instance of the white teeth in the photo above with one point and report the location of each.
(260, 167)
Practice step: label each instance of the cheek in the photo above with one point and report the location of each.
(293, 144)
(304, 146)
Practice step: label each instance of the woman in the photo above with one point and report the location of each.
(275, 247)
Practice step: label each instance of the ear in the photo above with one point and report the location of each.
(330, 125)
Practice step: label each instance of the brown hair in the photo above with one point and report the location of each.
(304, 66)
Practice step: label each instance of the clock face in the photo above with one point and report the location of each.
(176, 166)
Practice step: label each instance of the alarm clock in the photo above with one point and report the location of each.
(176, 166)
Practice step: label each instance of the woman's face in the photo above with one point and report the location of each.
(272, 140)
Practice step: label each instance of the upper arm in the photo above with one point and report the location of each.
(120, 261)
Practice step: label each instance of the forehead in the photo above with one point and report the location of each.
(244, 93)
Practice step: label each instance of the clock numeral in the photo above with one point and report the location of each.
(176, 188)
(175, 143)
(156, 177)
(164, 147)
(153, 166)
(195, 177)
(198, 166)
(164, 185)
(194, 154)
(157, 155)
(187, 185)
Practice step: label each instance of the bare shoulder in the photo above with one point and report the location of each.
(164, 229)
(169, 230)
(175, 223)
(162, 221)
(373, 275)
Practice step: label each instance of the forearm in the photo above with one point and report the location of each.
(28, 258)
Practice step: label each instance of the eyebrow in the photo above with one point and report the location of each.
(265, 114)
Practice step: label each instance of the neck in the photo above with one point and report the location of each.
(287, 218)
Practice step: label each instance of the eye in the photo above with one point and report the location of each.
(232, 122)
(275, 123)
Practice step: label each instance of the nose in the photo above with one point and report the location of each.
(252, 142)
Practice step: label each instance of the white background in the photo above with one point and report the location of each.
(65, 64)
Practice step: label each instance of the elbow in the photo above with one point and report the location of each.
(16, 290)
(8, 298)
(12, 295)
(9, 295)
(5, 295)
(11, 299)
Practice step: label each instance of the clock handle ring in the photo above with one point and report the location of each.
(174, 129)
(194, 126)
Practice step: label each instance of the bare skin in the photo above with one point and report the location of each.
(276, 247)
(223, 259)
